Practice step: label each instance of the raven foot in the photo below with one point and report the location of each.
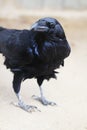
(27, 108)
(44, 101)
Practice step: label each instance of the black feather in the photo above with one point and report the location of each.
(36, 52)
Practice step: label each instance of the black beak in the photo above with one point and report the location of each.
(39, 28)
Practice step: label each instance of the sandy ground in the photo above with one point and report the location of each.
(69, 91)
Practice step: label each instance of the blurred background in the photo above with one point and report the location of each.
(70, 89)
(28, 11)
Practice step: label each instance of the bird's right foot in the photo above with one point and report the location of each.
(27, 108)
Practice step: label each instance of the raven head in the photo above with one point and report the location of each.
(53, 32)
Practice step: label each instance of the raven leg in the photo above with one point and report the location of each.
(16, 86)
(42, 99)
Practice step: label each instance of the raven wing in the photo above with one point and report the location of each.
(16, 46)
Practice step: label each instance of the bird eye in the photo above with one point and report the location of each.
(52, 25)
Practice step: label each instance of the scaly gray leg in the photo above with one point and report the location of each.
(16, 86)
(42, 99)
(25, 107)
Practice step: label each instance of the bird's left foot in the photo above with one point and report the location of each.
(44, 101)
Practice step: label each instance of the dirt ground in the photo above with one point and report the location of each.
(69, 91)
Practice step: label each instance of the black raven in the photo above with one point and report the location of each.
(34, 53)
